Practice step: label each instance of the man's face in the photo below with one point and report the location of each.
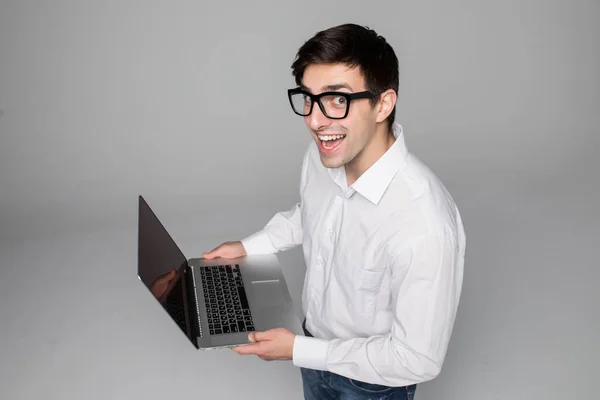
(356, 130)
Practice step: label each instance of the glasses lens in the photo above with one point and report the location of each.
(301, 103)
(335, 105)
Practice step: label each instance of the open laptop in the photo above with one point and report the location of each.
(217, 302)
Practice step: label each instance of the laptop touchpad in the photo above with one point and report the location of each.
(267, 293)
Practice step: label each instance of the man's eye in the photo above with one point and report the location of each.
(339, 100)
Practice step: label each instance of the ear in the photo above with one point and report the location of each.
(386, 104)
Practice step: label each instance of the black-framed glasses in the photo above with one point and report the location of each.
(334, 105)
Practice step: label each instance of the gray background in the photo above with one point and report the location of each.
(185, 103)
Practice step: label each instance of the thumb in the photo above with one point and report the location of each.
(260, 336)
(216, 252)
(210, 254)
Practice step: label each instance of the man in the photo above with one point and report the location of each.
(382, 238)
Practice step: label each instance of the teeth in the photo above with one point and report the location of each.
(331, 137)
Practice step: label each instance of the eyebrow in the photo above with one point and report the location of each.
(330, 88)
(336, 87)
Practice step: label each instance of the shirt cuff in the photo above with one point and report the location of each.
(258, 243)
(310, 353)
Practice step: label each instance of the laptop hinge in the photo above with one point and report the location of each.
(195, 307)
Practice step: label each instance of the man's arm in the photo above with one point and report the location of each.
(283, 231)
(426, 283)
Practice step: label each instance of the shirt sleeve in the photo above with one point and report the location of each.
(284, 230)
(426, 280)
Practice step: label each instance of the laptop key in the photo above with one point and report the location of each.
(241, 326)
(243, 298)
(234, 328)
(250, 328)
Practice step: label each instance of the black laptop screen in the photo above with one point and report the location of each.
(161, 265)
(157, 252)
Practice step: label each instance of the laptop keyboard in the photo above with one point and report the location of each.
(226, 301)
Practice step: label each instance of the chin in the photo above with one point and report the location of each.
(332, 162)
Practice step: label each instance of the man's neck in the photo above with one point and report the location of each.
(373, 151)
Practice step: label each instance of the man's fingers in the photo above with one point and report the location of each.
(248, 349)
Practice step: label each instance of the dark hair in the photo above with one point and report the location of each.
(353, 45)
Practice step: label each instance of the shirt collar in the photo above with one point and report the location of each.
(373, 183)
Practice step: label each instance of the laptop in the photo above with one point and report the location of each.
(216, 302)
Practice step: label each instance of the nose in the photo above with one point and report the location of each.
(317, 120)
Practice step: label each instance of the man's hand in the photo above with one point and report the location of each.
(274, 344)
(226, 250)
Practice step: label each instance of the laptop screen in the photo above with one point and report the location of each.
(161, 265)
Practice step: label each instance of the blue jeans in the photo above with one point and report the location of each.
(323, 385)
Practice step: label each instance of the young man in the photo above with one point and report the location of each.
(383, 240)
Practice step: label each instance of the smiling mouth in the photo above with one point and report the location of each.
(330, 142)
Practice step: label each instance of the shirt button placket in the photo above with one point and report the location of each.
(335, 217)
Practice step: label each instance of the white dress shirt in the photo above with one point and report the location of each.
(385, 260)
